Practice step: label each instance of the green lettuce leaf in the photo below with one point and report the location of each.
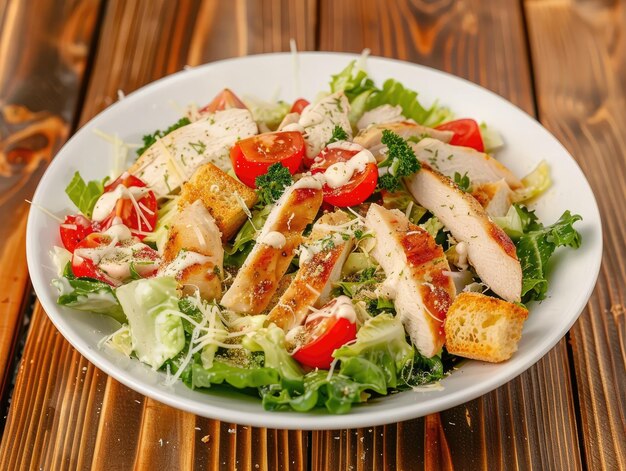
(239, 377)
(245, 238)
(364, 95)
(156, 330)
(518, 221)
(87, 294)
(268, 113)
(382, 341)
(394, 93)
(535, 248)
(85, 195)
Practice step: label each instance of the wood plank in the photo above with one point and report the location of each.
(578, 51)
(91, 421)
(40, 79)
(530, 422)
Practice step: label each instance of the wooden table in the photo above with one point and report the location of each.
(561, 61)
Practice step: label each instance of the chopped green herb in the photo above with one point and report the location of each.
(400, 159)
(199, 147)
(272, 185)
(339, 134)
(462, 181)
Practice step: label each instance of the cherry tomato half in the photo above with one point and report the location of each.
(117, 262)
(139, 218)
(252, 157)
(224, 100)
(76, 228)
(324, 335)
(360, 186)
(299, 105)
(466, 133)
(84, 266)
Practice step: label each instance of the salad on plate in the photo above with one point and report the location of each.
(316, 254)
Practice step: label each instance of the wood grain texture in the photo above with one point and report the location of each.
(81, 419)
(530, 422)
(579, 54)
(42, 58)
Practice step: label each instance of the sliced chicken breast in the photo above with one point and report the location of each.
(414, 265)
(370, 138)
(172, 160)
(193, 253)
(259, 277)
(381, 115)
(490, 251)
(479, 167)
(318, 120)
(495, 197)
(321, 260)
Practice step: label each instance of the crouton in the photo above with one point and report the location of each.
(483, 328)
(222, 195)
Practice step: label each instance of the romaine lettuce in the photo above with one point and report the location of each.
(85, 195)
(364, 95)
(151, 306)
(535, 248)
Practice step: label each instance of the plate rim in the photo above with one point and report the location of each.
(289, 419)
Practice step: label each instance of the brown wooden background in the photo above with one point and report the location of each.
(563, 61)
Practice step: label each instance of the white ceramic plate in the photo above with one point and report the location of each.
(572, 276)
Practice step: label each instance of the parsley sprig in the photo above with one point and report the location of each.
(400, 160)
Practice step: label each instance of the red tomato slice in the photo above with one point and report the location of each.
(85, 267)
(76, 228)
(360, 186)
(139, 218)
(224, 100)
(466, 133)
(252, 157)
(324, 335)
(299, 105)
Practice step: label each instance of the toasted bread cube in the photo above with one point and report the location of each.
(483, 328)
(222, 195)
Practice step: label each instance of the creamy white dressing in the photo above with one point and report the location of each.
(340, 307)
(183, 260)
(294, 127)
(273, 239)
(345, 145)
(310, 117)
(106, 203)
(461, 251)
(308, 251)
(119, 231)
(340, 173)
(310, 181)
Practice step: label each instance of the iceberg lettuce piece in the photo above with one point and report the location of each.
(151, 306)
(87, 294)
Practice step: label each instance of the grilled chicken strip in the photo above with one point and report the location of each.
(415, 267)
(490, 251)
(495, 197)
(172, 160)
(193, 253)
(320, 266)
(448, 159)
(370, 138)
(258, 278)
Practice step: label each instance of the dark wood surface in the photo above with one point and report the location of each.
(566, 412)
